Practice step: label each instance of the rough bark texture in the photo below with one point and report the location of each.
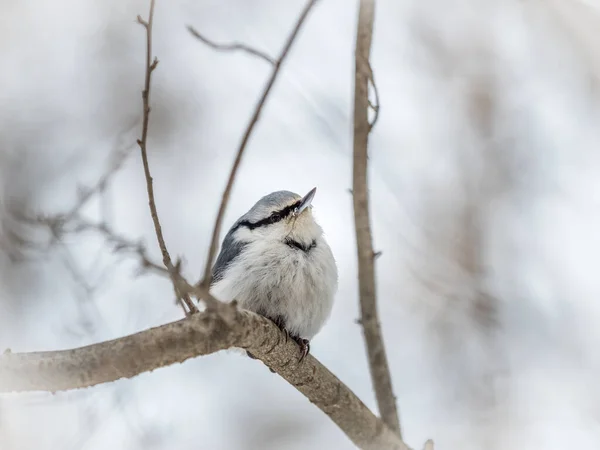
(200, 334)
(380, 373)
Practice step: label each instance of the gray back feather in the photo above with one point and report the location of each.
(230, 249)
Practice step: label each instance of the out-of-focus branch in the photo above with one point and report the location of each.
(214, 243)
(120, 243)
(85, 194)
(58, 223)
(150, 66)
(78, 224)
(380, 373)
(428, 445)
(204, 333)
(234, 46)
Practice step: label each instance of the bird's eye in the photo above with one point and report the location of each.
(275, 217)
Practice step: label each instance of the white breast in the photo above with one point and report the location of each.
(273, 279)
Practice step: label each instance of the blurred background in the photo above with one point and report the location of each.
(485, 189)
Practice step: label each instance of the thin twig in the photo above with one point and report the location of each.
(122, 244)
(234, 46)
(376, 105)
(56, 223)
(119, 243)
(85, 194)
(150, 66)
(380, 373)
(214, 243)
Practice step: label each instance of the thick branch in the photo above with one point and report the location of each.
(200, 334)
(214, 243)
(380, 373)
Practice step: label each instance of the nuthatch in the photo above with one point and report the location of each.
(275, 261)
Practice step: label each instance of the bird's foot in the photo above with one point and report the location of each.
(304, 347)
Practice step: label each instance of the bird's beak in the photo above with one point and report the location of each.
(306, 201)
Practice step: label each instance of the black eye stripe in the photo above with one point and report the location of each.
(287, 210)
(305, 248)
(275, 217)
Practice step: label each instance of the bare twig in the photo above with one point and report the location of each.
(234, 46)
(214, 243)
(119, 243)
(201, 334)
(378, 364)
(57, 223)
(122, 244)
(150, 66)
(85, 194)
(374, 106)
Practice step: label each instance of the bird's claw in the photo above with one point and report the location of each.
(304, 348)
(303, 343)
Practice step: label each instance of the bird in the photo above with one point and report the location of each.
(275, 261)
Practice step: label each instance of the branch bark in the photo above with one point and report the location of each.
(214, 243)
(200, 334)
(380, 373)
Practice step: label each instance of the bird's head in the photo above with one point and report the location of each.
(281, 216)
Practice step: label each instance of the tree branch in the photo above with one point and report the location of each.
(120, 243)
(380, 373)
(231, 47)
(85, 194)
(214, 244)
(428, 445)
(201, 334)
(150, 66)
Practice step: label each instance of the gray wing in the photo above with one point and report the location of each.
(230, 249)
